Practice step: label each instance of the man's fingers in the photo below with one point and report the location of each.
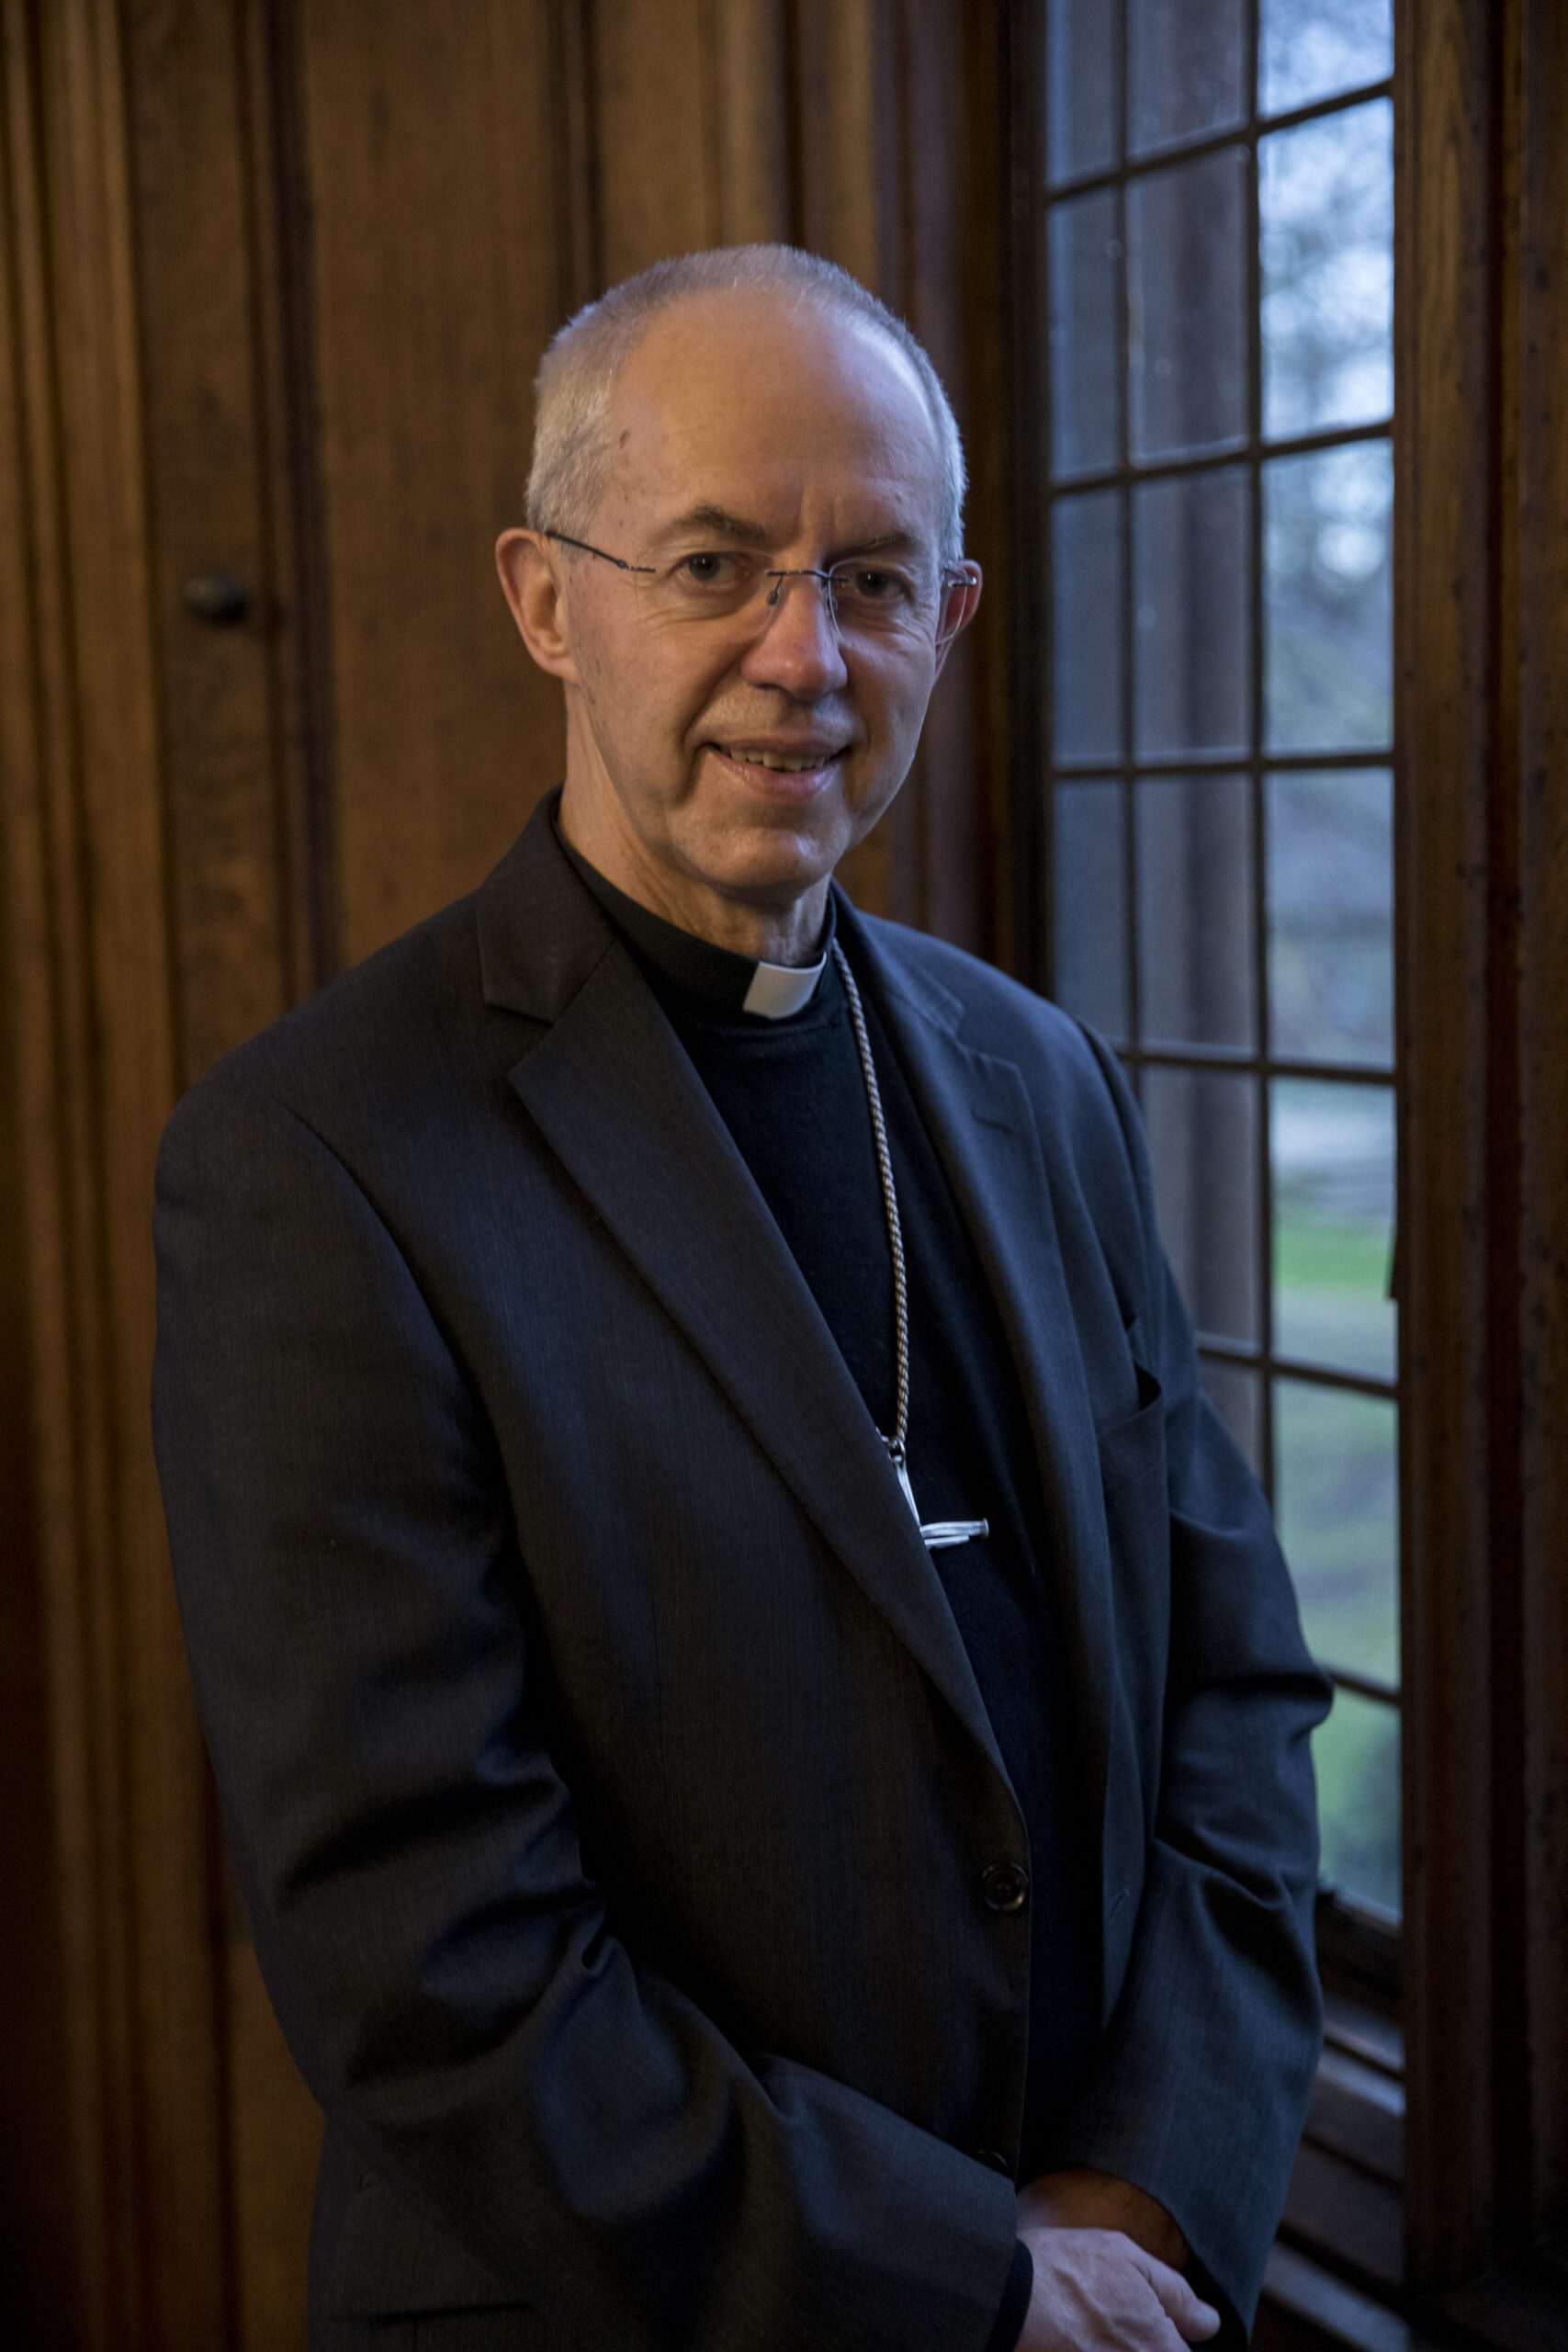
(1188, 2313)
(1095, 2291)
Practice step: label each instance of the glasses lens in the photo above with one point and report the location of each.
(881, 600)
(703, 586)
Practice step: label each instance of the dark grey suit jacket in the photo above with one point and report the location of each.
(609, 1783)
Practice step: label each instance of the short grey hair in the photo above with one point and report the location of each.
(577, 377)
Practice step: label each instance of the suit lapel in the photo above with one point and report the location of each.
(978, 1114)
(616, 1099)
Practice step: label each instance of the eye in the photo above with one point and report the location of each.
(871, 584)
(707, 569)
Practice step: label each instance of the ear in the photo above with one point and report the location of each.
(531, 587)
(967, 607)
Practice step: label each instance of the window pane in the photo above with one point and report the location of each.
(1202, 1128)
(1332, 1152)
(1080, 88)
(1085, 399)
(1310, 49)
(1186, 68)
(1334, 1501)
(1089, 935)
(1191, 646)
(1086, 586)
(1356, 1756)
(1326, 201)
(1330, 882)
(1195, 947)
(1236, 1395)
(1186, 234)
(1326, 593)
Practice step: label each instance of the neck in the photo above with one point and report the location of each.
(782, 930)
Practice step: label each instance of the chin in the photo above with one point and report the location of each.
(771, 868)
(767, 850)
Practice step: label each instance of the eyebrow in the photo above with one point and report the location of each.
(722, 524)
(885, 543)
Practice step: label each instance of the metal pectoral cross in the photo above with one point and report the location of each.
(937, 1534)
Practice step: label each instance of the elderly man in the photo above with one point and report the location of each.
(763, 1723)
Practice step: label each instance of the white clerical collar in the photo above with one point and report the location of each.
(778, 989)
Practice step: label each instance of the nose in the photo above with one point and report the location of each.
(797, 648)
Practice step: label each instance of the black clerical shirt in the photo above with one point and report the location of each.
(792, 1093)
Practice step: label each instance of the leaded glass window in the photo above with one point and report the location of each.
(1218, 293)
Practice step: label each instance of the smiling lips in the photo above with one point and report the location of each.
(781, 762)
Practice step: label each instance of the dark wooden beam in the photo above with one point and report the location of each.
(1481, 627)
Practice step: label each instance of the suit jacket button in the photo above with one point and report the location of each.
(1006, 1886)
(995, 2159)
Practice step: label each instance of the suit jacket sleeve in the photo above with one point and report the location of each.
(448, 1973)
(1200, 2087)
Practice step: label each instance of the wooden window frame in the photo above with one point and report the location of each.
(1478, 1976)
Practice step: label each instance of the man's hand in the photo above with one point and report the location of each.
(1096, 2291)
(1106, 2278)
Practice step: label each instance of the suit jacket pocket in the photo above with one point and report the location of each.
(391, 2262)
(1130, 1450)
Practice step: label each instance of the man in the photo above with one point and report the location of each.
(762, 1720)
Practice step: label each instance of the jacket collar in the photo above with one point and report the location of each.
(541, 931)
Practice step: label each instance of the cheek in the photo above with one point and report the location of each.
(623, 690)
(655, 691)
(893, 702)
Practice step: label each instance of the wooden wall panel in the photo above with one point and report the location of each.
(206, 435)
(653, 65)
(1445, 654)
(952, 254)
(49, 2250)
(1543, 508)
(1481, 841)
(848, 203)
(89, 988)
(275, 277)
(747, 85)
(850, 137)
(692, 127)
(243, 902)
(275, 2138)
(433, 190)
(982, 293)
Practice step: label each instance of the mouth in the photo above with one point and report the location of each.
(801, 759)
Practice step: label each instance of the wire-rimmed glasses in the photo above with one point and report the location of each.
(869, 599)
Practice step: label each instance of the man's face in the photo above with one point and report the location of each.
(798, 438)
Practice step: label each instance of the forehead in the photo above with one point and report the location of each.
(774, 409)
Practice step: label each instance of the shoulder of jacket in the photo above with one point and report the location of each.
(998, 1013)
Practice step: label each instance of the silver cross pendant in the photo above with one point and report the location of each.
(937, 1534)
